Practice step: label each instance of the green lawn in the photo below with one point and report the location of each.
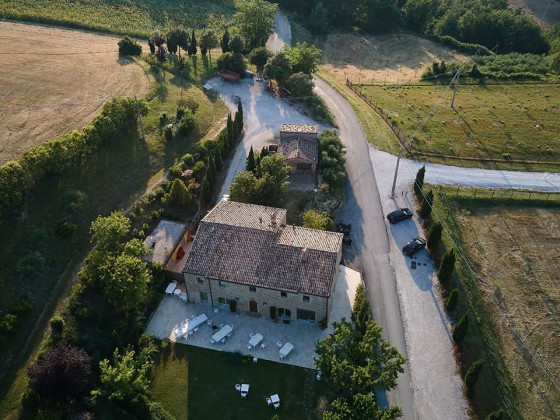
(138, 18)
(198, 384)
(517, 122)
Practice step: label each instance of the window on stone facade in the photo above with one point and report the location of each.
(252, 289)
(222, 284)
(306, 298)
(200, 281)
(284, 294)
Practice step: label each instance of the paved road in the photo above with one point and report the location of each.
(370, 251)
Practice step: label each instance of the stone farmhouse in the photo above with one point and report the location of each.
(247, 253)
(299, 147)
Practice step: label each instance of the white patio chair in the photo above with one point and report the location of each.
(209, 322)
(249, 347)
(263, 345)
(243, 395)
(193, 316)
(195, 329)
(251, 334)
(279, 344)
(229, 335)
(268, 401)
(237, 387)
(276, 405)
(223, 340)
(191, 332)
(231, 325)
(255, 360)
(221, 326)
(212, 341)
(282, 356)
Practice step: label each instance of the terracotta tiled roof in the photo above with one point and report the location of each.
(302, 237)
(299, 148)
(296, 260)
(247, 215)
(299, 128)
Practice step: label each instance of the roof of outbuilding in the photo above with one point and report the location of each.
(299, 128)
(299, 148)
(246, 215)
(290, 258)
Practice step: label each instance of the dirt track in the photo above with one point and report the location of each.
(53, 81)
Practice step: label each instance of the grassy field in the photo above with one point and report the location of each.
(109, 179)
(375, 129)
(195, 383)
(137, 18)
(518, 122)
(57, 85)
(509, 243)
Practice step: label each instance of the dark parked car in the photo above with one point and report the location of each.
(414, 246)
(399, 215)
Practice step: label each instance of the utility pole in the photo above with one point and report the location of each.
(457, 75)
(396, 172)
(139, 118)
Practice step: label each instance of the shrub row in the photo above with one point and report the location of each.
(54, 156)
(465, 47)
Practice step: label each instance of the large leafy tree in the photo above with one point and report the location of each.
(208, 40)
(129, 278)
(278, 67)
(255, 20)
(267, 187)
(126, 378)
(259, 56)
(304, 58)
(356, 363)
(360, 407)
(300, 84)
(109, 231)
(62, 372)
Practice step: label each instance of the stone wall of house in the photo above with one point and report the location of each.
(264, 297)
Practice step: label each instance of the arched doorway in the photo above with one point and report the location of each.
(253, 307)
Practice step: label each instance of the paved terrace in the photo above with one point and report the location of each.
(171, 311)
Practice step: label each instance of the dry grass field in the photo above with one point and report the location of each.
(53, 81)
(393, 58)
(515, 250)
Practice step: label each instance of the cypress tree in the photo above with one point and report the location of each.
(192, 46)
(264, 152)
(212, 172)
(238, 122)
(251, 166)
(434, 236)
(473, 372)
(419, 181)
(460, 329)
(426, 206)
(224, 43)
(218, 159)
(452, 301)
(231, 133)
(152, 46)
(360, 311)
(446, 266)
(206, 191)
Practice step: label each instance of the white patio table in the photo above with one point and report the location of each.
(195, 322)
(222, 333)
(275, 398)
(255, 340)
(286, 349)
(171, 288)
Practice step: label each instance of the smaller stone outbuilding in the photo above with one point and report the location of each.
(166, 241)
(299, 147)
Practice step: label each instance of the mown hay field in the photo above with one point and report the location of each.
(57, 83)
(506, 122)
(138, 18)
(513, 248)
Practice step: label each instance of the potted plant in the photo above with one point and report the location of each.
(273, 313)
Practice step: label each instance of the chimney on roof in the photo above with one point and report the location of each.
(273, 219)
(260, 220)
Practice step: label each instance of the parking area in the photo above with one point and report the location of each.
(303, 335)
